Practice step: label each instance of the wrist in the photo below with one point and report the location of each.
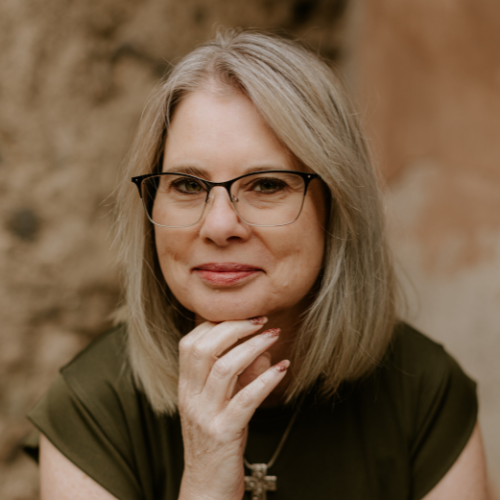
(192, 495)
(190, 490)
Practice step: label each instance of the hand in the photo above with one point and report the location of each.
(215, 406)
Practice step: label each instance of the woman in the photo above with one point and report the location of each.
(261, 208)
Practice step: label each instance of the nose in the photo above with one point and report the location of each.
(220, 223)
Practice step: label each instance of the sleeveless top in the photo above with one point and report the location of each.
(391, 436)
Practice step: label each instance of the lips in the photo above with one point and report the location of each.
(226, 273)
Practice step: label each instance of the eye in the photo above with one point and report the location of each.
(187, 185)
(268, 185)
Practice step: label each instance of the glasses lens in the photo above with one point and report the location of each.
(269, 198)
(173, 200)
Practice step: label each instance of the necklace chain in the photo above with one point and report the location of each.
(283, 439)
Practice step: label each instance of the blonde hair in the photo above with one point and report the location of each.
(346, 331)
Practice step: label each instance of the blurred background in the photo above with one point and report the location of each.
(74, 77)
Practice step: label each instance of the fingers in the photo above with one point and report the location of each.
(257, 368)
(199, 349)
(185, 346)
(220, 383)
(245, 402)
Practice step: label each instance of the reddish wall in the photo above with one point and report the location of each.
(427, 75)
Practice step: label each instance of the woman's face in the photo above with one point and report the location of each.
(221, 268)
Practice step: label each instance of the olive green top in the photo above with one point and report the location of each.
(392, 436)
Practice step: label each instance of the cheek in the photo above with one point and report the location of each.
(312, 246)
(312, 230)
(171, 251)
(173, 256)
(301, 256)
(310, 258)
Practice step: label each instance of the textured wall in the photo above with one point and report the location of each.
(74, 77)
(73, 80)
(428, 76)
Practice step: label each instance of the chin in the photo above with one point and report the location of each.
(224, 308)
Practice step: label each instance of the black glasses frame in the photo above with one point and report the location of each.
(306, 176)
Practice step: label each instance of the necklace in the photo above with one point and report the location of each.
(259, 482)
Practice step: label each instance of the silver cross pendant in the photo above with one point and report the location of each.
(258, 483)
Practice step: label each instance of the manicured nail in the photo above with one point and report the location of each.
(272, 332)
(282, 366)
(259, 320)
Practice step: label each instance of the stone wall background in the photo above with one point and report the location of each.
(73, 80)
(74, 77)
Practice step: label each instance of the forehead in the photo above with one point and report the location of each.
(222, 135)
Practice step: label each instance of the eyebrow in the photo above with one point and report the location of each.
(204, 174)
(189, 170)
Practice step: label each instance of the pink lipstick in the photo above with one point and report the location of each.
(226, 273)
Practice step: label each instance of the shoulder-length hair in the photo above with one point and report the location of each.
(345, 333)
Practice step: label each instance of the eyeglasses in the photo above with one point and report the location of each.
(266, 198)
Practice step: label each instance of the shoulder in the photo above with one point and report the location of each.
(427, 385)
(415, 359)
(412, 345)
(95, 416)
(414, 351)
(104, 357)
(100, 376)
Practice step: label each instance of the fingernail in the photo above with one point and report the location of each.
(282, 366)
(259, 320)
(272, 332)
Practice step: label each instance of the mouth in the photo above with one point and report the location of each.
(226, 273)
